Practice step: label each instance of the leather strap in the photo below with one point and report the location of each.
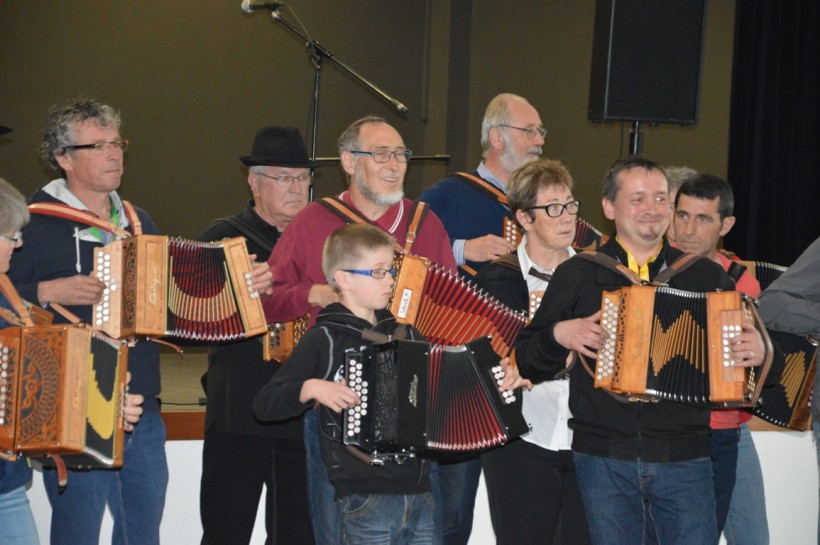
(22, 313)
(81, 216)
(485, 186)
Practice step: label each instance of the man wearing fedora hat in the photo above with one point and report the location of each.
(240, 454)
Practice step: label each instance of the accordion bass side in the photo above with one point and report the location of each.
(788, 403)
(63, 389)
(449, 310)
(160, 286)
(665, 343)
(417, 397)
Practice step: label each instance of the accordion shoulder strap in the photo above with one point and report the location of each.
(417, 215)
(22, 314)
(246, 230)
(485, 186)
(509, 260)
(80, 216)
(611, 263)
(678, 266)
(341, 209)
(133, 217)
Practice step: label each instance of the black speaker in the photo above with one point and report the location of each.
(646, 57)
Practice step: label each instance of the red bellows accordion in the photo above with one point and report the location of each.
(62, 394)
(160, 286)
(449, 310)
(670, 344)
(418, 397)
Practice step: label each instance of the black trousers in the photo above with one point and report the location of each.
(234, 469)
(533, 496)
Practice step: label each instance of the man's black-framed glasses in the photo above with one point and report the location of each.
(374, 273)
(99, 147)
(383, 155)
(532, 132)
(555, 210)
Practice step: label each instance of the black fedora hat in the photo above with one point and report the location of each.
(279, 147)
(4, 130)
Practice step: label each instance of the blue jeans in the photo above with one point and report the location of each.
(327, 523)
(724, 469)
(16, 521)
(746, 523)
(380, 519)
(459, 483)
(677, 499)
(134, 493)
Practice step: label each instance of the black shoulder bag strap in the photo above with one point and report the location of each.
(246, 230)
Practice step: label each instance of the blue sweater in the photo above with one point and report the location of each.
(50, 251)
(466, 211)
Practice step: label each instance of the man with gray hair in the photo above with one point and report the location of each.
(473, 205)
(82, 143)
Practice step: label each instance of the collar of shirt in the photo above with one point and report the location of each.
(59, 190)
(485, 173)
(533, 283)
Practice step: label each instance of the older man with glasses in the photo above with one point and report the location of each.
(82, 143)
(241, 455)
(473, 207)
(374, 159)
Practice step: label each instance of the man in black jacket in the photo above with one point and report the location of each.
(631, 455)
(241, 454)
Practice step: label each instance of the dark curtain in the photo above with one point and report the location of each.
(774, 149)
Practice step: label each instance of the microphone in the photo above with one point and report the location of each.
(249, 6)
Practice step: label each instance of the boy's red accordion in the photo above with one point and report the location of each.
(418, 397)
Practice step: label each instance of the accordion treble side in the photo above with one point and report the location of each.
(63, 394)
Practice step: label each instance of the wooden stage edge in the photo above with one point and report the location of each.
(184, 425)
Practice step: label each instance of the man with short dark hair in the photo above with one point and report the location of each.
(241, 455)
(704, 208)
(631, 458)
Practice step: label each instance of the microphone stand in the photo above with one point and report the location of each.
(316, 54)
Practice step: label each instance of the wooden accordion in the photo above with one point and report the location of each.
(62, 394)
(787, 403)
(664, 343)
(418, 397)
(448, 309)
(161, 286)
(764, 273)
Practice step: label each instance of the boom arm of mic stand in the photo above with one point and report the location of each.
(324, 53)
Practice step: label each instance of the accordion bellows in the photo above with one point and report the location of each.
(161, 286)
(61, 392)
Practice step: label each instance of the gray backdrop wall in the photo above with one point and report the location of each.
(195, 80)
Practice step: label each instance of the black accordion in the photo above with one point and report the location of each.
(417, 398)
(787, 403)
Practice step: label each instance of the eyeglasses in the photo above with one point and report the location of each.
(383, 155)
(555, 210)
(374, 273)
(532, 132)
(99, 147)
(15, 239)
(286, 181)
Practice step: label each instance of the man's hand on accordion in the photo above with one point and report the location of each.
(131, 408)
(584, 335)
(748, 347)
(261, 277)
(334, 395)
(73, 290)
(512, 378)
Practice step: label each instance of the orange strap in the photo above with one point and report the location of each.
(485, 186)
(11, 295)
(82, 216)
